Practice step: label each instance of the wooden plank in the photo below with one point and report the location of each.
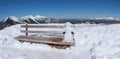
(51, 32)
(44, 40)
(26, 30)
(43, 26)
(47, 42)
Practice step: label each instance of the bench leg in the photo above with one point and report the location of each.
(21, 41)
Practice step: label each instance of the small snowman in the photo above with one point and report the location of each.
(68, 37)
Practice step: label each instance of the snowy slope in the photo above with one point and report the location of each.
(92, 42)
(103, 41)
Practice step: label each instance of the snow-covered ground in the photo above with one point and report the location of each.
(92, 42)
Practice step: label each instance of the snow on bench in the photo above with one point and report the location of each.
(64, 37)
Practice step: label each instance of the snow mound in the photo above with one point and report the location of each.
(8, 34)
(92, 42)
(103, 40)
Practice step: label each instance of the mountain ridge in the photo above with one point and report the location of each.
(12, 20)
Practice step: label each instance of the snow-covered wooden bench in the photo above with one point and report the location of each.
(65, 36)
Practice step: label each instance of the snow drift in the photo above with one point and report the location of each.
(92, 42)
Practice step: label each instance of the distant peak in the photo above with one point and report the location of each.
(12, 18)
(32, 17)
(105, 18)
(27, 17)
(38, 16)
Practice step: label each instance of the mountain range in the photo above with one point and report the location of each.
(12, 20)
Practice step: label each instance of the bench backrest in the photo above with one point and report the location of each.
(27, 26)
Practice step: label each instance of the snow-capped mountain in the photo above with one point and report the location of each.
(11, 20)
(31, 19)
(105, 18)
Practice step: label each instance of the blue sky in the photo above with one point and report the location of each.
(60, 8)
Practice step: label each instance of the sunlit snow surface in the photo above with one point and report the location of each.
(92, 42)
